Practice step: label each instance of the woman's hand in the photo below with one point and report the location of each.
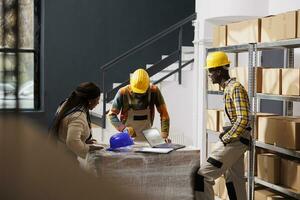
(95, 147)
(91, 141)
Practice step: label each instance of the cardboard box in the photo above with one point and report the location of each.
(212, 120)
(280, 131)
(221, 120)
(241, 75)
(258, 115)
(291, 82)
(243, 32)
(246, 156)
(264, 194)
(298, 24)
(271, 81)
(216, 187)
(259, 79)
(279, 27)
(290, 174)
(220, 188)
(276, 197)
(220, 36)
(268, 167)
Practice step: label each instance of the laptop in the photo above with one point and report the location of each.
(153, 137)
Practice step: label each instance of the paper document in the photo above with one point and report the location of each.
(154, 150)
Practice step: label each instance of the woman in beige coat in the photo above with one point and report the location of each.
(72, 124)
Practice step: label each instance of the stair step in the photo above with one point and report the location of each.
(188, 49)
(174, 66)
(162, 74)
(184, 57)
(116, 85)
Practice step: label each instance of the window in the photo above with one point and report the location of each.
(20, 54)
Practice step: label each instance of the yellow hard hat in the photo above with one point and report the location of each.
(216, 59)
(139, 81)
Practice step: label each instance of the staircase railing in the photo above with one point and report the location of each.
(108, 95)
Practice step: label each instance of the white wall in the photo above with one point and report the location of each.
(179, 100)
(279, 6)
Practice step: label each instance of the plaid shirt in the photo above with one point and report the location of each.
(237, 106)
(121, 105)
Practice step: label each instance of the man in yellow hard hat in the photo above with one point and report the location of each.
(136, 103)
(228, 156)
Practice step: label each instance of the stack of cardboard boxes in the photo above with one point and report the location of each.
(280, 171)
(275, 81)
(268, 29)
(212, 120)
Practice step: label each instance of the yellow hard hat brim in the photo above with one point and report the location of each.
(139, 91)
(216, 66)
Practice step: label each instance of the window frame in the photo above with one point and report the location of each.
(37, 51)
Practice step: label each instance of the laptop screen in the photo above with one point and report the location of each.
(153, 136)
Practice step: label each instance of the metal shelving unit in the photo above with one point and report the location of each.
(278, 188)
(288, 47)
(215, 92)
(231, 49)
(292, 43)
(252, 49)
(288, 152)
(277, 97)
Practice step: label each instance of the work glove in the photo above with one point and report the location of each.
(130, 131)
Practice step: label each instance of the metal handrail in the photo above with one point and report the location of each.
(149, 41)
(160, 66)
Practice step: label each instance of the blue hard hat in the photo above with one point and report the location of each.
(119, 140)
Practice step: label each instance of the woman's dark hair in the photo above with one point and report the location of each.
(78, 101)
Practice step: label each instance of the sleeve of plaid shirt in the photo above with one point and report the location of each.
(241, 102)
(115, 110)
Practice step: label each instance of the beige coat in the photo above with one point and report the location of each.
(73, 132)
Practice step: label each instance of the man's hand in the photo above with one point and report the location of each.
(130, 131)
(224, 139)
(165, 135)
(167, 140)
